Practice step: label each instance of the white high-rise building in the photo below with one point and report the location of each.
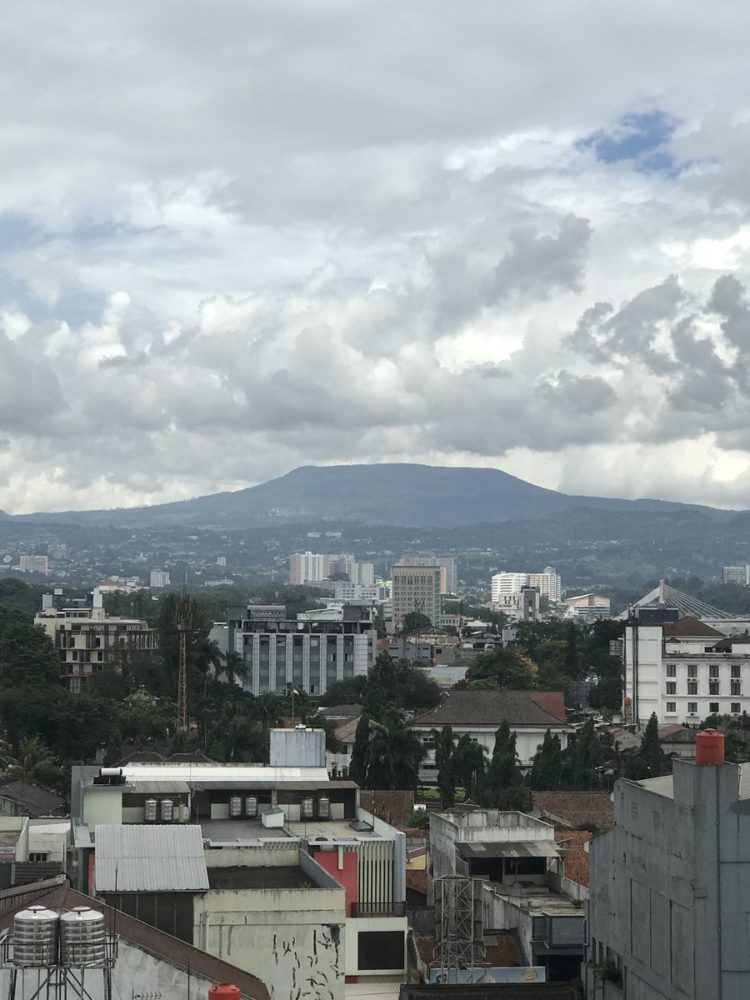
(307, 567)
(548, 583)
(503, 584)
(158, 578)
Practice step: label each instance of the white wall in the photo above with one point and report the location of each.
(102, 807)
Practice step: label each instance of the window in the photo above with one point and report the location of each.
(713, 707)
(713, 687)
(692, 687)
(40, 856)
(380, 949)
(671, 670)
(713, 671)
(735, 687)
(428, 740)
(736, 708)
(671, 708)
(692, 707)
(736, 671)
(671, 687)
(692, 669)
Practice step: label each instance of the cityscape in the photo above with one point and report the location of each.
(374, 518)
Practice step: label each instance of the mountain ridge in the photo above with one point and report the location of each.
(399, 494)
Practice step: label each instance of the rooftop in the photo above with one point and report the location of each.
(574, 854)
(690, 627)
(240, 831)
(217, 773)
(267, 877)
(34, 800)
(491, 707)
(141, 858)
(572, 809)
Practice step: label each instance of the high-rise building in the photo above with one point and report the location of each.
(307, 568)
(503, 584)
(548, 583)
(34, 564)
(416, 589)
(448, 567)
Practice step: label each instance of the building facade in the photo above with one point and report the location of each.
(504, 584)
(88, 640)
(736, 574)
(683, 671)
(669, 888)
(548, 583)
(448, 569)
(416, 589)
(158, 578)
(34, 564)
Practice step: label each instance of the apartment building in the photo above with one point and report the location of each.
(416, 589)
(736, 574)
(309, 569)
(448, 569)
(34, 564)
(683, 669)
(158, 579)
(548, 583)
(87, 639)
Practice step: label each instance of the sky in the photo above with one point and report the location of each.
(236, 238)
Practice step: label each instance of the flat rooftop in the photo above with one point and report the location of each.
(543, 902)
(240, 831)
(337, 829)
(271, 877)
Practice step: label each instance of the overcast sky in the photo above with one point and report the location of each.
(239, 237)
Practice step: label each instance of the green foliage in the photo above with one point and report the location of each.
(650, 761)
(393, 685)
(504, 772)
(389, 756)
(469, 764)
(414, 622)
(33, 763)
(583, 759)
(446, 765)
(547, 767)
(27, 655)
(506, 667)
(358, 764)
(349, 691)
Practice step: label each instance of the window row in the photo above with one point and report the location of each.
(713, 670)
(713, 708)
(735, 687)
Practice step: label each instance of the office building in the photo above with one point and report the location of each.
(522, 606)
(448, 569)
(88, 639)
(548, 583)
(310, 569)
(670, 882)
(682, 669)
(308, 654)
(416, 589)
(502, 584)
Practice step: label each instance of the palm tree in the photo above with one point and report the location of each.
(235, 667)
(33, 763)
(393, 754)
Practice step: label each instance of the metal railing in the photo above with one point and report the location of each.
(379, 909)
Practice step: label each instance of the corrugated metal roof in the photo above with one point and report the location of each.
(140, 858)
(509, 849)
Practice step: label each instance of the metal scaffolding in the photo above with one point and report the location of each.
(459, 924)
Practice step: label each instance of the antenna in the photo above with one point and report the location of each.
(183, 624)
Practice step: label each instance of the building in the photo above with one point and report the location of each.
(587, 607)
(310, 569)
(683, 670)
(274, 861)
(18, 798)
(479, 714)
(355, 593)
(524, 887)
(521, 606)
(736, 574)
(670, 884)
(448, 569)
(416, 589)
(88, 640)
(149, 962)
(505, 584)
(158, 579)
(502, 584)
(308, 654)
(548, 583)
(34, 564)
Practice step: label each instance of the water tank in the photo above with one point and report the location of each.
(224, 991)
(150, 807)
(35, 937)
(167, 810)
(324, 807)
(709, 747)
(184, 813)
(235, 806)
(251, 806)
(307, 809)
(82, 938)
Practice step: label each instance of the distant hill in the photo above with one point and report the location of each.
(420, 496)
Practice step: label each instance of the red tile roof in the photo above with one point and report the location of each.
(541, 709)
(552, 702)
(416, 881)
(575, 857)
(572, 809)
(690, 626)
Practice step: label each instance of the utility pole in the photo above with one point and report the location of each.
(183, 625)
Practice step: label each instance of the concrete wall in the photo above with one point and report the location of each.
(136, 972)
(300, 747)
(14, 830)
(362, 925)
(292, 939)
(281, 852)
(103, 806)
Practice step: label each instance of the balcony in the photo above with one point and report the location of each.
(379, 909)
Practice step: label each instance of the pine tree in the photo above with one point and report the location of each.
(359, 761)
(469, 765)
(445, 761)
(546, 769)
(502, 785)
(582, 759)
(650, 761)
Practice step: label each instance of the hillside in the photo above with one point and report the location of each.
(405, 495)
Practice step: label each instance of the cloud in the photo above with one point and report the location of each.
(235, 242)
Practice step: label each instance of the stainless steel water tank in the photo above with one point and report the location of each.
(167, 810)
(307, 809)
(251, 806)
(324, 807)
(150, 807)
(235, 806)
(82, 938)
(35, 937)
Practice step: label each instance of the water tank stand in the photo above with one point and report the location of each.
(59, 982)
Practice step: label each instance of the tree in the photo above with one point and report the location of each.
(33, 763)
(349, 691)
(504, 771)
(393, 754)
(415, 621)
(446, 765)
(650, 761)
(27, 656)
(384, 690)
(358, 764)
(582, 759)
(469, 764)
(546, 768)
(503, 668)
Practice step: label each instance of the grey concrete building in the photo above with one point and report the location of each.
(669, 908)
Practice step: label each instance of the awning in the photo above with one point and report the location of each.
(509, 849)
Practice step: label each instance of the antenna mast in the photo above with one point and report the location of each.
(183, 624)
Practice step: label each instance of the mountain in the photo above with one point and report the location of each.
(420, 496)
